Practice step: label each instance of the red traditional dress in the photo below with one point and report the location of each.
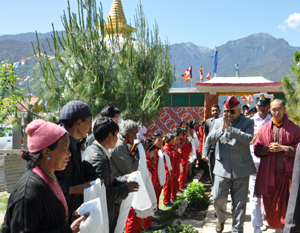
(185, 155)
(273, 181)
(169, 175)
(200, 134)
(176, 173)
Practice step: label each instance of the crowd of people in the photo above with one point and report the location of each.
(255, 153)
(63, 162)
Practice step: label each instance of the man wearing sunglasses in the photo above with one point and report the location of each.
(233, 164)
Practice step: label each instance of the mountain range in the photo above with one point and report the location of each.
(257, 55)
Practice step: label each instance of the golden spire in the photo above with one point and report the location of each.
(116, 11)
(116, 20)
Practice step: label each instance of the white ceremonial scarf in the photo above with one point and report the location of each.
(161, 169)
(95, 203)
(193, 154)
(168, 161)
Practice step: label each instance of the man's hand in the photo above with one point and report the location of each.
(204, 158)
(132, 186)
(78, 189)
(226, 122)
(76, 220)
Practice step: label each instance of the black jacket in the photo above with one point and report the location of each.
(76, 172)
(33, 207)
(115, 191)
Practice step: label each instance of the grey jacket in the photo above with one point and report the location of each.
(115, 191)
(207, 149)
(121, 161)
(232, 151)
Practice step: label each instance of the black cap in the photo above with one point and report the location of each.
(75, 110)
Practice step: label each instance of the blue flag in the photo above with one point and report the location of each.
(215, 55)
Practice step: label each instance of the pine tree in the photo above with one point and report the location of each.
(130, 70)
(292, 91)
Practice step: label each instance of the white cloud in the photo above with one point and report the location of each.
(293, 21)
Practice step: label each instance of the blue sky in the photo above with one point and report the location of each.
(204, 23)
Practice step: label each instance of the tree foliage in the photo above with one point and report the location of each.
(131, 71)
(10, 96)
(292, 91)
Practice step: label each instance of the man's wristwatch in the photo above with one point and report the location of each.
(229, 129)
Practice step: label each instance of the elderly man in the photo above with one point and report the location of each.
(260, 118)
(232, 134)
(76, 118)
(123, 160)
(276, 144)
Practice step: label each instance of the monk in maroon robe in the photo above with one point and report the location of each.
(276, 145)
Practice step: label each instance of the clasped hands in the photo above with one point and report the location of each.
(275, 147)
(226, 122)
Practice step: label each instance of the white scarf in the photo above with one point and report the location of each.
(161, 169)
(168, 161)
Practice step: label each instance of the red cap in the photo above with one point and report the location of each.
(231, 102)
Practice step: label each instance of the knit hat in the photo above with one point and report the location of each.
(75, 110)
(42, 134)
(231, 102)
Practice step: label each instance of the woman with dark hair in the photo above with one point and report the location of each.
(151, 158)
(158, 142)
(37, 202)
(185, 154)
(169, 142)
(177, 159)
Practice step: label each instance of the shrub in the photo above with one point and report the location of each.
(180, 228)
(195, 195)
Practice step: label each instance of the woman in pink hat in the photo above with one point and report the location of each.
(37, 203)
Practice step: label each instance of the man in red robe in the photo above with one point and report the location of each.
(276, 146)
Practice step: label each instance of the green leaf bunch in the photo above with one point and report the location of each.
(195, 195)
(292, 91)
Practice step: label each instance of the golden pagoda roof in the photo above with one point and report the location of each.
(116, 20)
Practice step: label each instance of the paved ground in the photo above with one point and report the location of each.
(211, 220)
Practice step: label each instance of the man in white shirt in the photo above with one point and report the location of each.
(260, 118)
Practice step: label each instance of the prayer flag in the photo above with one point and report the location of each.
(244, 98)
(208, 76)
(201, 73)
(187, 74)
(23, 61)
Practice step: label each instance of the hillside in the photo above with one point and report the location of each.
(258, 54)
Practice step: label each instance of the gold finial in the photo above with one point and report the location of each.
(116, 11)
(116, 20)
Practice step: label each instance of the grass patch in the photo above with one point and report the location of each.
(3, 201)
